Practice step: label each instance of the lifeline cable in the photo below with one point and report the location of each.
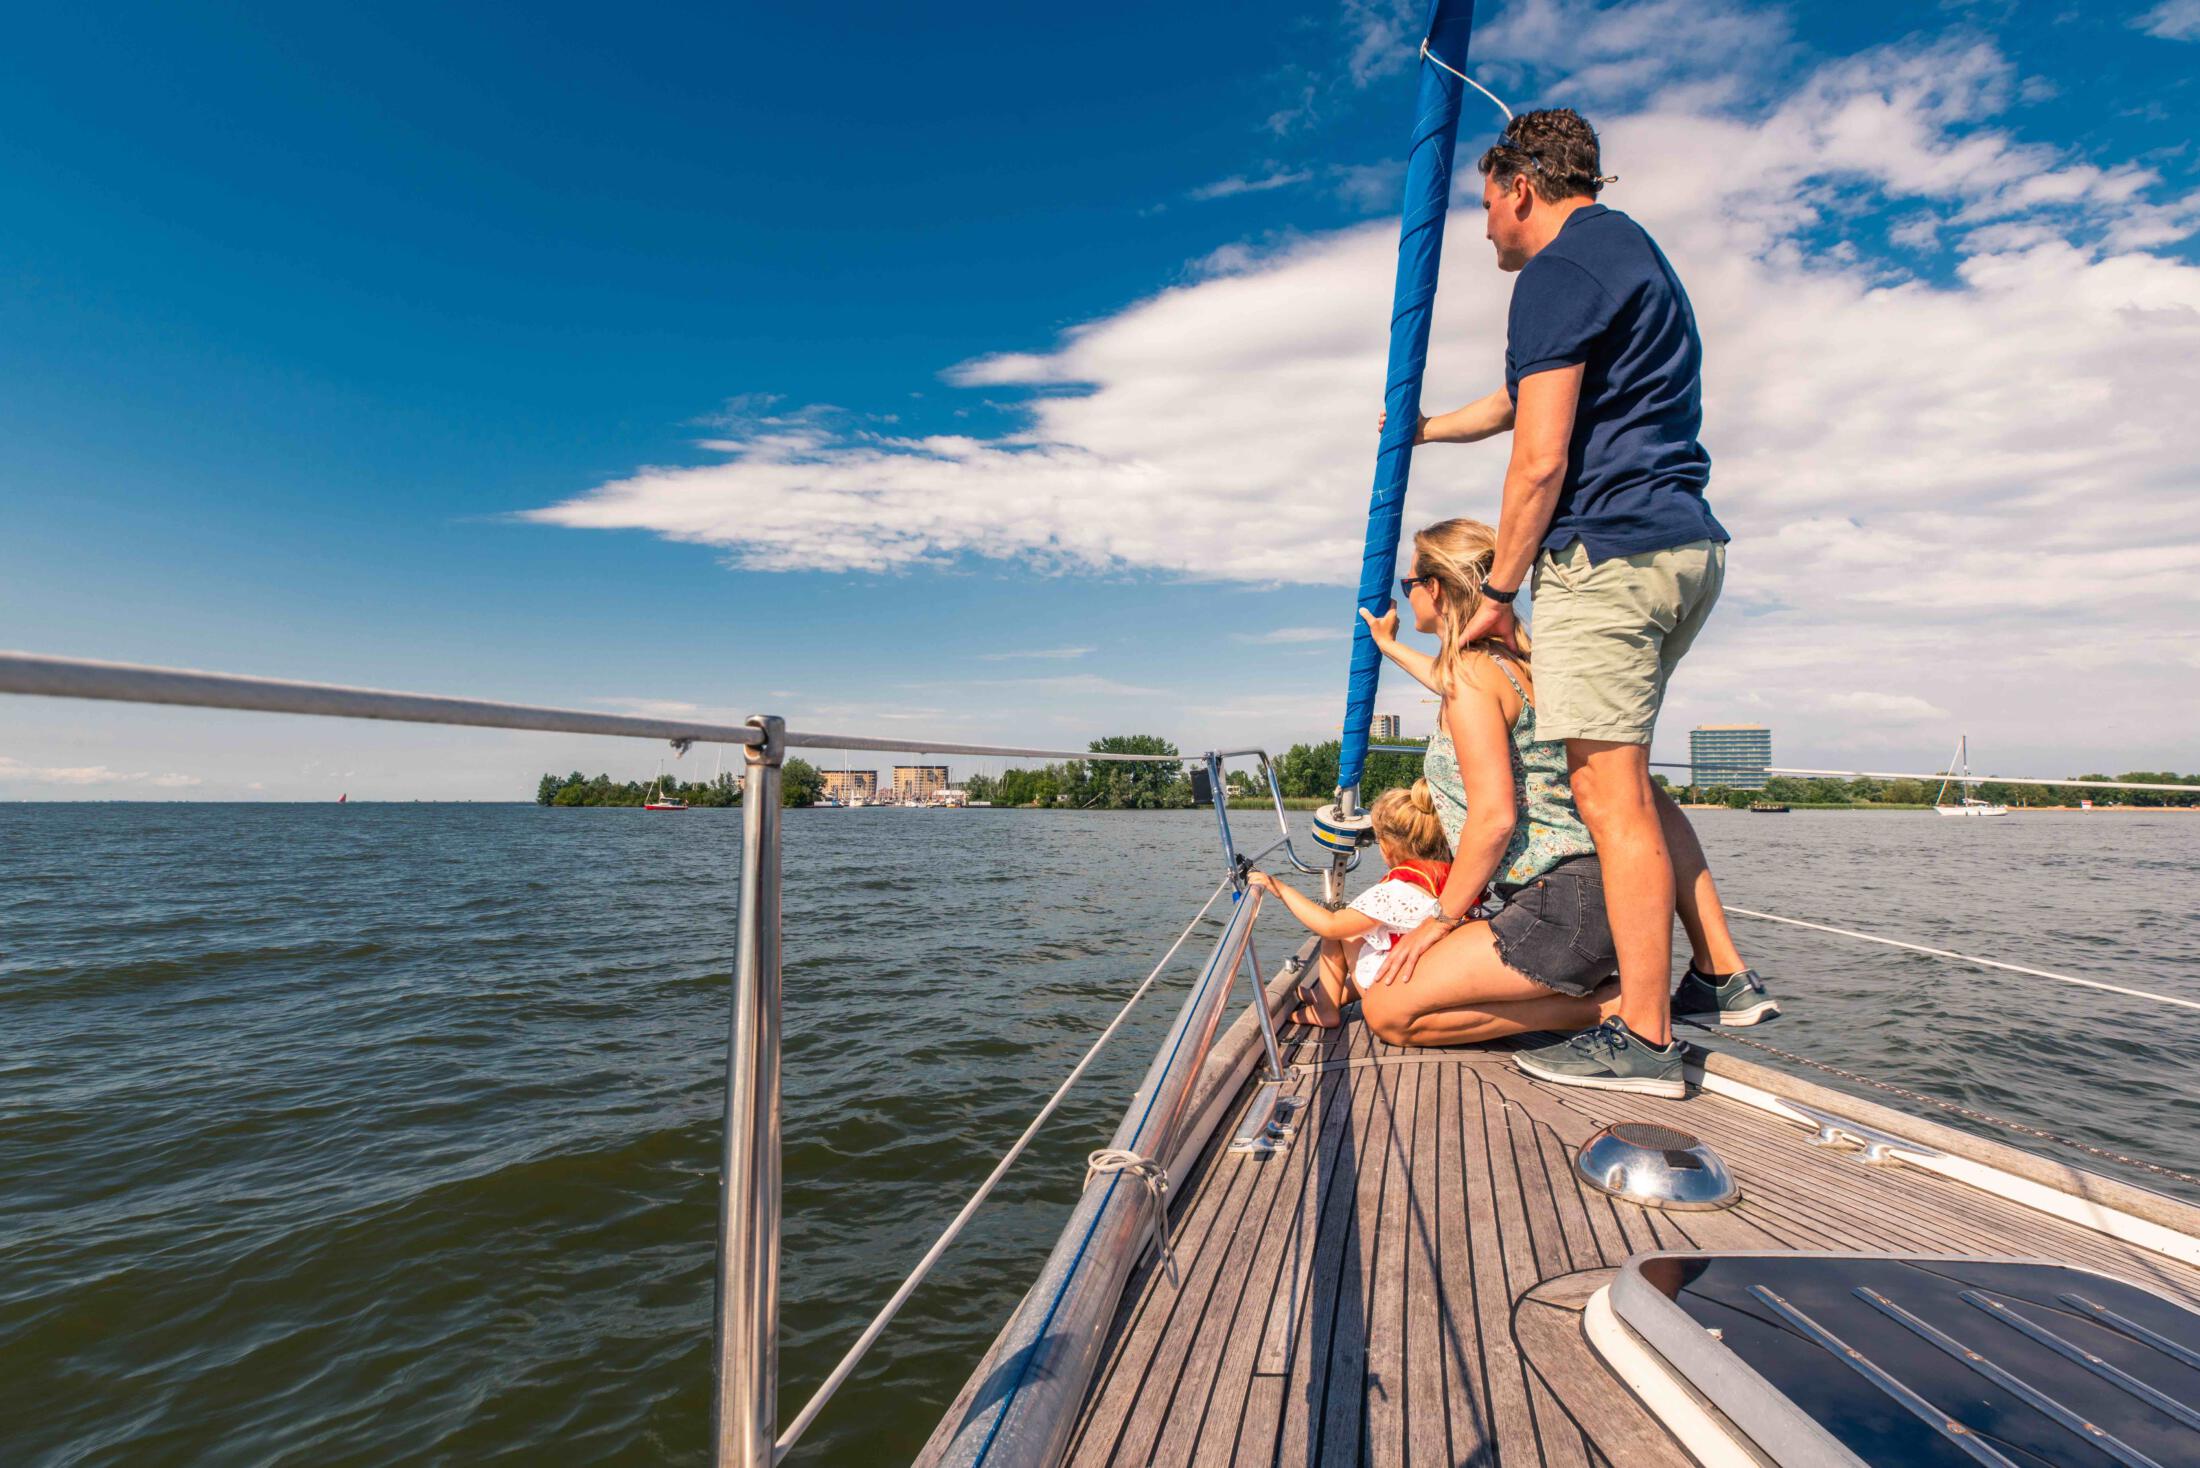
(2015, 968)
(908, 1287)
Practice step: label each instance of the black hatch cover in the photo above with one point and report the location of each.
(1907, 1359)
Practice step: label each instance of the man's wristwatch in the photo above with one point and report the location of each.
(1502, 598)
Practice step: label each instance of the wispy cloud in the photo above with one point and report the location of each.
(2172, 20)
(1062, 654)
(1908, 464)
(1286, 636)
(15, 770)
(1238, 183)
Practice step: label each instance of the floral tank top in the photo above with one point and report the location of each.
(1547, 828)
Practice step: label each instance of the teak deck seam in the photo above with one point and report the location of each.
(1365, 1297)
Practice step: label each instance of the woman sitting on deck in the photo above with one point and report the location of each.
(1543, 958)
(1356, 939)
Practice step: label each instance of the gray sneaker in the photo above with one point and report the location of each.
(1610, 1057)
(1737, 999)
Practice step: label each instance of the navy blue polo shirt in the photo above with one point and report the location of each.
(1603, 295)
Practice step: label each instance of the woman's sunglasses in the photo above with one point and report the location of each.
(1407, 583)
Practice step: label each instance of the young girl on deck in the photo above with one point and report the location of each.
(1356, 939)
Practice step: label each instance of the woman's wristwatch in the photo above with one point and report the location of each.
(1454, 923)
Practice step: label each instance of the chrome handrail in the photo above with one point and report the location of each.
(746, 1317)
(54, 677)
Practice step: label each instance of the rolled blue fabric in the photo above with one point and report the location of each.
(1420, 249)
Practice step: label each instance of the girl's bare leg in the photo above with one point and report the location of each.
(1332, 988)
(1462, 992)
(1710, 941)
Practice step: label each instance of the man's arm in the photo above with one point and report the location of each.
(1542, 430)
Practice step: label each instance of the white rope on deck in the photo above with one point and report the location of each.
(908, 1287)
(2015, 968)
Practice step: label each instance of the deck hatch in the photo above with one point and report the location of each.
(1825, 1359)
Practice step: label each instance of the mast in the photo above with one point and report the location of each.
(1963, 756)
(1420, 248)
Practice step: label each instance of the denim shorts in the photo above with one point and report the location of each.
(1554, 929)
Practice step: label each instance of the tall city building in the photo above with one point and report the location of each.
(1734, 755)
(915, 784)
(1388, 726)
(849, 786)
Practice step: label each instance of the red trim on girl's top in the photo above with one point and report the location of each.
(1429, 874)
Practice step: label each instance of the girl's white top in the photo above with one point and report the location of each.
(1397, 907)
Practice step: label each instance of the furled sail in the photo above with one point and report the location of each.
(1420, 247)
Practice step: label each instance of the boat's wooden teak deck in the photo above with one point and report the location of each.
(1405, 1284)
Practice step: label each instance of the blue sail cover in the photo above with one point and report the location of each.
(1420, 247)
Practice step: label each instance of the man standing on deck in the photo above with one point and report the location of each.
(1604, 507)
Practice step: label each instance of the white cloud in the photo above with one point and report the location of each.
(1289, 636)
(2172, 20)
(1238, 183)
(1384, 38)
(1969, 487)
(1058, 653)
(13, 770)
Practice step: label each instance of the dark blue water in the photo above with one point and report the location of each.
(387, 1134)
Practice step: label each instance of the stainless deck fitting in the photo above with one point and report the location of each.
(1656, 1166)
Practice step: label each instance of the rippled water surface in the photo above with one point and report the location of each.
(387, 1134)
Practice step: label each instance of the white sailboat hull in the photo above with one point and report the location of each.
(1970, 810)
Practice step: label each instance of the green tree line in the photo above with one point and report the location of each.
(1796, 790)
(1094, 784)
(800, 784)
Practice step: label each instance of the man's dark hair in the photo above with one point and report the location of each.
(1557, 151)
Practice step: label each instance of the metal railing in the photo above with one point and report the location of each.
(746, 1318)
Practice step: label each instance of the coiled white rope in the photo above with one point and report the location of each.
(2015, 968)
(908, 1287)
(1149, 1171)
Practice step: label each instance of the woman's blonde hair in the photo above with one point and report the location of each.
(1407, 820)
(1456, 555)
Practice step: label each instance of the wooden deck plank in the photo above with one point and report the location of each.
(1427, 1412)
(1172, 1386)
(1384, 1392)
(1210, 1392)
(1342, 1433)
(1246, 1401)
(1403, 1285)
(1306, 1374)
(1467, 1425)
(1153, 1307)
(1502, 1255)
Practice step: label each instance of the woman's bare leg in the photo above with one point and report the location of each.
(1696, 896)
(1462, 992)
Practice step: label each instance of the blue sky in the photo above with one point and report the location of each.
(1000, 372)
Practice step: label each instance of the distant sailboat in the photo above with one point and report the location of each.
(1970, 805)
(344, 798)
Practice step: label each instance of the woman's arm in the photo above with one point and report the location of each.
(1322, 922)
(1416, 664)
(1483, 735)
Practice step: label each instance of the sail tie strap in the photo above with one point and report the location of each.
(1149, 1171)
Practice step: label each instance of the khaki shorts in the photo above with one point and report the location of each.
(1608, 636)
